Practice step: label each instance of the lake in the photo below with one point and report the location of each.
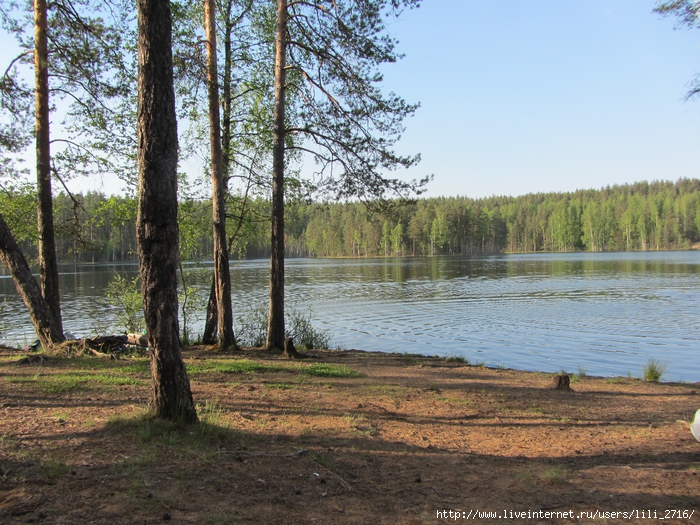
(605, 313)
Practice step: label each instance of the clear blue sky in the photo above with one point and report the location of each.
(522, 96)
(540, 95)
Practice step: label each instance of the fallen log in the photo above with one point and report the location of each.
(113, 343)
(127, 339)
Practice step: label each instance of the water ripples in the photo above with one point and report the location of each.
(607, 313)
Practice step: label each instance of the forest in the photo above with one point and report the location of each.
(641, 216)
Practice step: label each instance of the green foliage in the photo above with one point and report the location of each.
(251, 329)
(641, 216)
(303, 332)
(654, 370)
(124, 294)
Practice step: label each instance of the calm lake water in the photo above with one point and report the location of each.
(607, 313)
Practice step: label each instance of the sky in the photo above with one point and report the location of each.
(540, 95)
(521, 96)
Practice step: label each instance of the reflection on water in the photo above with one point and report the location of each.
(606, 313)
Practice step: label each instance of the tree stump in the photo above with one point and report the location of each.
(290, 351)
(562, 382)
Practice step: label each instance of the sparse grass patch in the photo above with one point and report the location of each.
(455, 401)
(279, 386)
(524, 475)
(240, 366)
(616, 380)
(53, 469)
(153, 433)
(457, 359)
(221, 517)
(328, 370)
(553, 474)
(387, 390)
(654, 370)
(210, 413)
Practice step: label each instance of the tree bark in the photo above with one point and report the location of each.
(226, 103)
(48, 264)
(212, 321)
(39, 311)
(156, 223)
(275, 326)
(222, 276)
(562, 382)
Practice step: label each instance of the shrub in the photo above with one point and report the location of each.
(654, 370)
(251, 329)
(125, 295)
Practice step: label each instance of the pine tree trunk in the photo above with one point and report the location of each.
(48, 264)
(156, 224)
(222, 276)
(212, 322)
(39, 311)
(275, 326)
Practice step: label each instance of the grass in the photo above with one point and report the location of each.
(279, 386)
(454, 401)
(240, 366)
(157, 436)
(553, 475)
(654, 370)
(63, 383)
(328, 370)
(387, 390)
(53, 469)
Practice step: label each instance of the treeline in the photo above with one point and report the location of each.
(641, 216)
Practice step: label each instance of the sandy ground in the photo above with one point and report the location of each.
(388, 439)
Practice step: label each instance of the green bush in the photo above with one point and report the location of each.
(125, 295)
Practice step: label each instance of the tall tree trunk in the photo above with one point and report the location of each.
(39, 312)
(156, 223)
(222, 276)
(226, 103)
(212, 321)
(48, 265)
(275, 325)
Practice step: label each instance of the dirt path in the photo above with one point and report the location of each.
(350, 437)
